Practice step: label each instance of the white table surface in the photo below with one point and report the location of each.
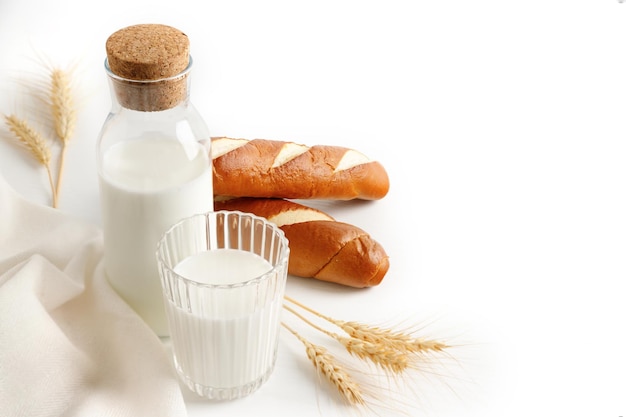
(502, 126)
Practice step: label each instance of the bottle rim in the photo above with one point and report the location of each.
(176, 77)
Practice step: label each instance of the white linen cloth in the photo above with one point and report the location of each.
(69, 345)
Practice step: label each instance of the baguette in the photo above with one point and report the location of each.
(277, 169)
(321, 247)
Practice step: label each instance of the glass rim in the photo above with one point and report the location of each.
(282, 261)
(175, 77)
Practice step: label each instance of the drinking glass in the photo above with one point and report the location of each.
(223, 276)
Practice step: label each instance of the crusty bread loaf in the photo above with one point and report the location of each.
(277, 169)
(321, 247)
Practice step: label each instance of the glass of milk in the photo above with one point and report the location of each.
(223, 276)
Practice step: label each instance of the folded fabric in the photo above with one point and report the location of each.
(69, 345)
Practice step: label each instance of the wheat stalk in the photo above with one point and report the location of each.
(390, 339)
(328, 366)
(394, 352)
(379, 353)
(63, 114)
(35, 143)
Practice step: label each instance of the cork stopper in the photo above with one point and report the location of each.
(148, 63)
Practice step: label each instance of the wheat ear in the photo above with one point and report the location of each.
(400, 341)
(35, 143)
(397, 340)
(63, 114)
(378, 353)
(328, 366)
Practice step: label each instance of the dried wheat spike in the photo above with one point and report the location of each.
(30, 138)
(380, 354)
(328, 366)
(62, 105)
(392, 339)
(396, 340)
(34, 142)
(63, 114)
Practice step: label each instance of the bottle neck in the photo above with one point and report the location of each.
(149, 95)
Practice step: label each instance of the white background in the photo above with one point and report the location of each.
(502, 127)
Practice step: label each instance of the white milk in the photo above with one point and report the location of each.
(229, 341)
(147, 185)
(222, 266)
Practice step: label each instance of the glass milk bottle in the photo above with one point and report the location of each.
(154, 162)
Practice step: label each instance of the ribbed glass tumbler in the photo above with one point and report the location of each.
(223, 276)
